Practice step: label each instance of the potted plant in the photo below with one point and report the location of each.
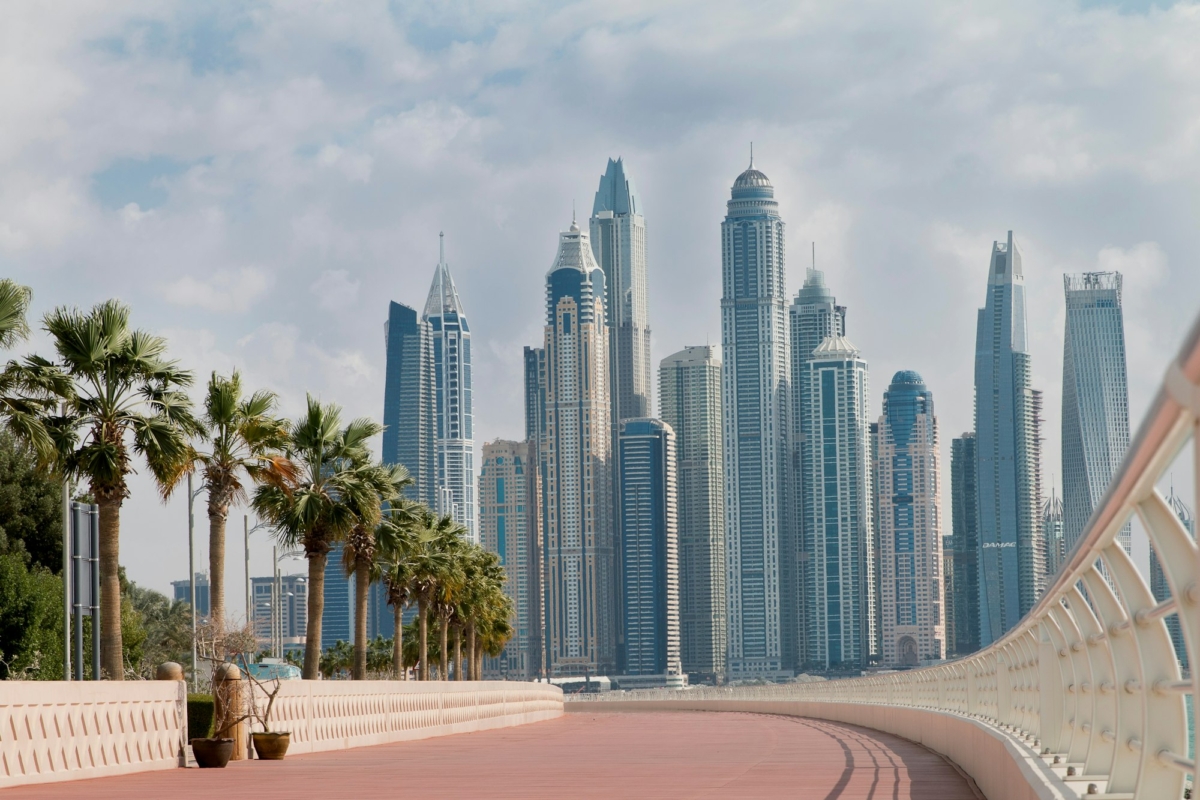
(214, 752)
(269, 745)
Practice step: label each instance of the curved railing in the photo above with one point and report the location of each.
(1088, 682)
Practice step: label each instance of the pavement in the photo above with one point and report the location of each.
(580, 755)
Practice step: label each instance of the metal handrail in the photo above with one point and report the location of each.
(1089, 679)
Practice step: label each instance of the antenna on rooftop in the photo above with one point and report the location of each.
(441, 247)
(752, 155)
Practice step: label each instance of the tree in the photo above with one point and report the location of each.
(245, 439)
(358, 558)
(398, 538)
(334, 487)
(121, 398)
(27, 391)
(482, 602)
(31, 632)
(30, 505)
(435, 575)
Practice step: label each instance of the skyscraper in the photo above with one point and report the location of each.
(649, 552)
(1052, 534)
(755, 408)
(838, 577)
(1007, 457)
(964, 511)
(813, 317)
(1158, 578)
(909, 524)
(337, 614)
(506, 511)
(409, 434)
(580, 568)
(454, 419)
(618, 236)
(689, 393)
(1095, 401)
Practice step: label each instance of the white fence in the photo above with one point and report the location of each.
(1086, 690)
(56, 731)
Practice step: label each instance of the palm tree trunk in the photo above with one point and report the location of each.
(316, 606)
(479, 661)
(472, 675)
(423, 633)
(112, 660)
(458, 662)
(362, 586)
(216, 566)
(398, 671)
(443, 646)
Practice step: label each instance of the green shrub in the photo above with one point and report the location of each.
(200, 716)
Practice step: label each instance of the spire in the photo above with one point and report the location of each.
(443, 295)
(752, 155)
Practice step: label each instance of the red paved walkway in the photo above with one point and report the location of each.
(652, 755)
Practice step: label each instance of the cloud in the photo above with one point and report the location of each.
(223, 292)
(335, 290)
(312, 152)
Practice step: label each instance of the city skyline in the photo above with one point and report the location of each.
(255, 226)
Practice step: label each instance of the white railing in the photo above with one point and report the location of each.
(1088, 683)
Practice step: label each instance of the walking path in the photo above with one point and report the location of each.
(580, 755)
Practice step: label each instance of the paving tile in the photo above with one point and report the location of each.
(699, 756)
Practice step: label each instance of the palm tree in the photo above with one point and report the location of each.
(484, 588)
(335, 487)
(434, 573)
(397, 539)
(358, 558)
(27, 392)
(245, 439)
(123, 395)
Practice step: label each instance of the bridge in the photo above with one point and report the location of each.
(1085, 697)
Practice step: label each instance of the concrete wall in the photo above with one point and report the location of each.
(1001, 766)
(59, 731)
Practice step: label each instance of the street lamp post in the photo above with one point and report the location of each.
(192, 566)
(249, 530)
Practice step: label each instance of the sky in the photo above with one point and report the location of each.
(258, 179)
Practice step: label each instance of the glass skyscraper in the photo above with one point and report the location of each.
(507, 508)
(649, 551)
(838, 575)
(909, 525)
(409, 435)
(962, 592)
(689, 394)
(754, 400)
(813, 317)
(581, 580)
(1095, 399)
(618, 236)
(1008, 452)
(454, 419)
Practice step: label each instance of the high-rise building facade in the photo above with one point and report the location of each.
(1052, 535)
(1008, 450)
(280, 611)
(909, 523)
(409, 434)
(963, 591)
(580, 583)
(838, 576)
(618, 237)
(1095, 398)
(689, 396)
(452, 402)
(337, 613)
(1158, 579)
(813, 316)
(754, 401)
(649, 551)
(506, 511)
(183, 593)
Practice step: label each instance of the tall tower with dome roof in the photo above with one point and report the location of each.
(754, 383)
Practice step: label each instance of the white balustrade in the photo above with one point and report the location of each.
(1086, 689)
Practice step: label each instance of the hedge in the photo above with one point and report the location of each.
(200, 715)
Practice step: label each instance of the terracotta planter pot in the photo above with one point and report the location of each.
(271, 746)
(212, 753)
